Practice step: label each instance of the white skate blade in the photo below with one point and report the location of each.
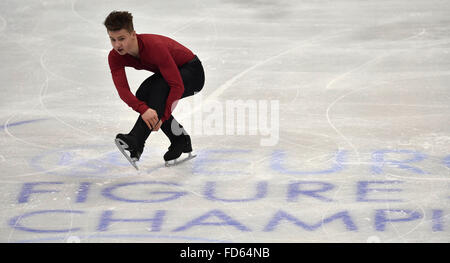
(122, 147)
(178, 160)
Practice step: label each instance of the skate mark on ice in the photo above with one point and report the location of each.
(332, 82)
(219, 91)
(362, 66)
(73, 2)
(7, 125)
(346, 74)
(43, 92)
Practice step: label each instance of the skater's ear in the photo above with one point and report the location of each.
(131, 34)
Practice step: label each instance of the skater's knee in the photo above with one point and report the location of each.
(200, 87)
(201, 80)
(140, 94)
(154, 86)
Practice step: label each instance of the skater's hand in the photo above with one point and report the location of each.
(150, 117)
(158, 125)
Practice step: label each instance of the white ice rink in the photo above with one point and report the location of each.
(355, 95)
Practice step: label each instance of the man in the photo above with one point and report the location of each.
(178, 73)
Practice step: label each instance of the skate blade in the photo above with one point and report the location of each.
(178, 161)
(122, 147)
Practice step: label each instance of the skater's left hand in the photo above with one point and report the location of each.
(158, 125)
(150, 117)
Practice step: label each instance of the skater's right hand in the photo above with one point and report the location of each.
(150, 117)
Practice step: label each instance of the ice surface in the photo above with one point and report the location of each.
(357, 91)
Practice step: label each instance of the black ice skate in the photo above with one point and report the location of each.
(129, 143)
(181, 145)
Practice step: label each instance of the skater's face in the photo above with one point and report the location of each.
(122, 40)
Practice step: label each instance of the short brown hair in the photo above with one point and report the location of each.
(118, 20)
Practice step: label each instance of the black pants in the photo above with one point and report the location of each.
(155, 90)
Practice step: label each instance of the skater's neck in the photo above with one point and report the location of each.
(134, 51)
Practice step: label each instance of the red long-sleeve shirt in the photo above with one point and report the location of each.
(158, 54)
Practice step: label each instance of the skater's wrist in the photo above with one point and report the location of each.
(142, 109)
